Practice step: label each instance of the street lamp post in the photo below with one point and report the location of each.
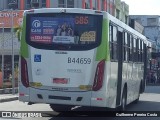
(13, 80)
(2, 52)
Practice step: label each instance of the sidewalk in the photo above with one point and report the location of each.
(6, 95)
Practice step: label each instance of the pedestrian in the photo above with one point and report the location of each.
(152, 78)
(148, 79)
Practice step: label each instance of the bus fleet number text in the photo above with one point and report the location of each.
(79, 60)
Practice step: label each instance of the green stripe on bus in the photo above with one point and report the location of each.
(103, 49)
(24, 46)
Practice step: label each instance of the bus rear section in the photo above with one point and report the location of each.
(59, 64)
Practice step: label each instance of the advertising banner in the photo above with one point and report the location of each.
(56, 30)
(62, 29)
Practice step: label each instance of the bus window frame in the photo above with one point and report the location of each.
(113, 42)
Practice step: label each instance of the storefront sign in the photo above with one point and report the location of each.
(6, 18)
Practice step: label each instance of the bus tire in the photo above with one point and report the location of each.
(60, 108)
(140, 89)
(137, 100)
(123, 100)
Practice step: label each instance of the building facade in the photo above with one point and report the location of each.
(9, 44)
(115, 7)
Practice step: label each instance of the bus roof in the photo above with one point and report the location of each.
(126, 27)
(89, 11)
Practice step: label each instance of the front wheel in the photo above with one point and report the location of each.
(140, 89)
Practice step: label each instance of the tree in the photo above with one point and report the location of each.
(18, 31)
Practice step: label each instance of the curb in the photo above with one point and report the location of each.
(8, 91)
(151, 84)
(8, 99)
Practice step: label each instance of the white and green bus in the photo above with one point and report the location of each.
(80, 57)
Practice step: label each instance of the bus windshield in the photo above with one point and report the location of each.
(72, 31)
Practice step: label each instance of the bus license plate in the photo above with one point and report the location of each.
(60, 80)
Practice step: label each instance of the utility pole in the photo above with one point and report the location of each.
(13, 80)
(2, 42)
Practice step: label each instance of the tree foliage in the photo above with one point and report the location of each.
(18, 31)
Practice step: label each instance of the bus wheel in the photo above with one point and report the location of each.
(123, 100)
(137, 100)
(60, 108)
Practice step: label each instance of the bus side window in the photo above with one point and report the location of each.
(129, 46)
(113, 42)
(138, 50)
(125, 47)
(142, 51)
(134, 50)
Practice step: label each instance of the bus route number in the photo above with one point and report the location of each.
(81, 20)
(79, 60)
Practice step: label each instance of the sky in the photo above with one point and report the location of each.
(143, 7)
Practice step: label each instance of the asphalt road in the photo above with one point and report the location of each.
(149, 103)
